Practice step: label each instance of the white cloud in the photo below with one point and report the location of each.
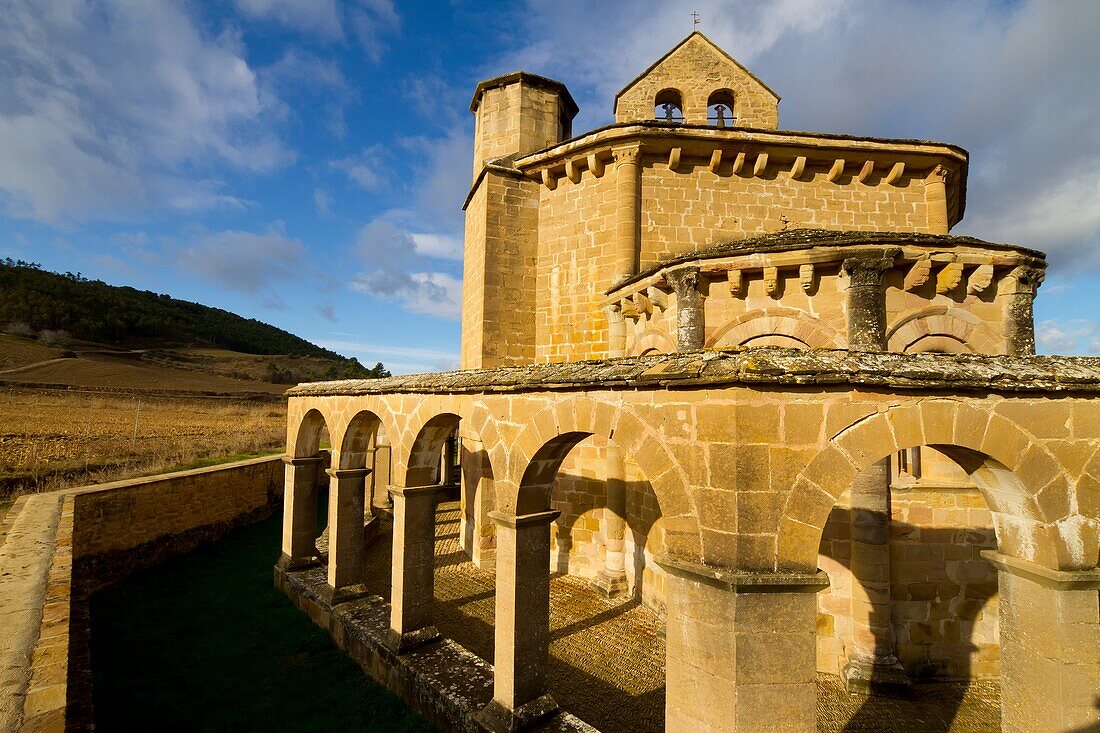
(1076, 336)
(399, 359)
(363, 169)
(321, 17)
(113, 108)
(246, 261)
(443, 246)
(322, 201)
(393, 269)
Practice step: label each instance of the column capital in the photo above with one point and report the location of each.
(741, 581)
(1044, 576)
(683, 280)
(302, 461)
(515, 521)
(867, 271)
(348, 472)
(627, 154)
(1026, 277)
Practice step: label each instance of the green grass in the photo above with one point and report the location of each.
(205, 643)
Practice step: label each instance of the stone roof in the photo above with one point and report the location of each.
(795, 239)
(526, 77)
(763, 366)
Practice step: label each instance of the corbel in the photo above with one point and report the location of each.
(642, 303)
(771, 280)
(736, 281)
(738, 163)
(806, 276)
(836, 171)
(595, 164)
(674, 159)
(980, 279)
(798, 168)
(628, 309)
(918, 274)
(657, 297)
(715, 160)
(895, 173)
(572, 171)
(549, 179)
(949, 277)
(866, 171)
(761, 164)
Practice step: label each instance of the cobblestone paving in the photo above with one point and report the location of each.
(607, 657)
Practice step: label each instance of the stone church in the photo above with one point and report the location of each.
(748, 378)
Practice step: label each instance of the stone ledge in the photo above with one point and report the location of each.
(753, 366)
(1044, 576)
(442, 681)
(741, 581)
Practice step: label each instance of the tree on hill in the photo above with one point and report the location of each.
(92, 310)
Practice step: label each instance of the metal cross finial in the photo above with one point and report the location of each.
(695, 18)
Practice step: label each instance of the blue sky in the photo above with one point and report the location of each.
(303, 161)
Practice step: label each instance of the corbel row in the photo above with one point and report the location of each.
(949, 273)
(739, 163)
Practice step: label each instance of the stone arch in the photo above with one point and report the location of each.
(653, 341)
(358, 439)
(941, 325)
(793, 324)
(549, 436)
(675, 99)
(727, 99)
(305, 436)
(422, 461)
(1026, 487)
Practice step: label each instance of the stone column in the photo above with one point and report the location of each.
(611, 579)
(300, 513)
(935, 199)
(476, 528)
(690, 328)
(522, 622)
(740, 649)
(412, 583)
(1017, 293)
(866, 302)
(1050, 647)
(627, 205)
(872, 665)
(346, 512)
(381, 476)
(616, 332)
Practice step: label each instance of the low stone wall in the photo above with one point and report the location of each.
(59, 547)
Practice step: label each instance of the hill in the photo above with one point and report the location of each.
(64, 329)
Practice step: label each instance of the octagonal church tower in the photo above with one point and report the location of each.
(694, 222)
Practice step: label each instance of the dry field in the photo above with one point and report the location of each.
(51, 439)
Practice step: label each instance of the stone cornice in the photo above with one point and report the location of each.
(788, 368)
(790, 150)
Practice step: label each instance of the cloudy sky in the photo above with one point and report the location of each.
(303, 161)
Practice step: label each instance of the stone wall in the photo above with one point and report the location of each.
(90, 536)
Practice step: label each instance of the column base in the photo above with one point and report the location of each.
(499, 719)
(611, 584)
(410, 640)
(290, 564)
(334, 596)
(886, 680)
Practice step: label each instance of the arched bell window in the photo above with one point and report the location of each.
(720, 108)
(668, 106)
